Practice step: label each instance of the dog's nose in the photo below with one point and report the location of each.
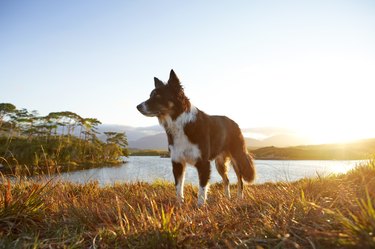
(139, 107)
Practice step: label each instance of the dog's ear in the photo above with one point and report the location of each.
(174, 81)
(158, 83)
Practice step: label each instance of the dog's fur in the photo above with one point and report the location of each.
(196, 138)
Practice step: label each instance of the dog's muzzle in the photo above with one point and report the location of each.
(142, 108)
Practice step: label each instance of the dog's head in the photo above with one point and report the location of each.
(165, 99)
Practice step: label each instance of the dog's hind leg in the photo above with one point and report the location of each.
(239, 187)
(179, 178)
(244, 167)
(239, 178)
(204, 171)
(222, 163)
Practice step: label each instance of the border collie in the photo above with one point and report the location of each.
(197, 138)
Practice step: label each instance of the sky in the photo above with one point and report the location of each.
(306, 66)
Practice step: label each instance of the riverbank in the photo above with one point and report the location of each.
(327, 212)
(41, 155)
(33, 170)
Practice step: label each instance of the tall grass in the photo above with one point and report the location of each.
(336, 211)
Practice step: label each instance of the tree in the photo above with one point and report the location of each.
(119, 139)
(69, 120)
(6, 109)
(24, 120)
(90, 125)
(32, 138)
(52, 119)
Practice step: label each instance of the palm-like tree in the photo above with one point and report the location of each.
(118, 138)
(90, 125)
(6, 109)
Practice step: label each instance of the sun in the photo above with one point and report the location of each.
(337, 131)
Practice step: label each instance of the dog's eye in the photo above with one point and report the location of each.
(155, 94)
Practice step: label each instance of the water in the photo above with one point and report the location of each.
(149, 169)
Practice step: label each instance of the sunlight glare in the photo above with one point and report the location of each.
(326, 100)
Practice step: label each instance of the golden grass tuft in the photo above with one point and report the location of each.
(337, 211)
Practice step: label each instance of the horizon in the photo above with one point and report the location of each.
(257, 133)
(307, 68)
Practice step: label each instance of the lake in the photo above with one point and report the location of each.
(149, 169)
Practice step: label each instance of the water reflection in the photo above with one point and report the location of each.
(149, 169)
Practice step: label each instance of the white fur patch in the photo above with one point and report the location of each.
(202, 195)
(144, 107)
(239, 191)
(182, 149)
(180, 187)
(227, 190)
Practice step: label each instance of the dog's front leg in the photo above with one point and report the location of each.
(204, 170)
(179, 179)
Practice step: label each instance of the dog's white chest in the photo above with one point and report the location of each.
(182, 150)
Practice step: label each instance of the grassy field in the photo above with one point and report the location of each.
(362, 149)
(161, 153)
(336, 211)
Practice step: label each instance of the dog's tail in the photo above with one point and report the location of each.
(245, 164)
(242, 161)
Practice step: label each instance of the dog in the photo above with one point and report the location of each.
(196, 138)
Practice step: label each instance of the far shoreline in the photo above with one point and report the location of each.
(165, 154)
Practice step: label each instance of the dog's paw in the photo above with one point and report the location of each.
(180, 202)
(201, 203)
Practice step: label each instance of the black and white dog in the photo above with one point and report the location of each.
(196, 138)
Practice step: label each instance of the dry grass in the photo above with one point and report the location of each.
(330, 212)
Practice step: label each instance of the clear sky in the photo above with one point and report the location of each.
(308, 66)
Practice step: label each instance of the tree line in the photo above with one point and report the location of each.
(56, 139)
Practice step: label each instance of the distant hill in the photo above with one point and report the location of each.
(282, 140)
(158, 141)
(153, 142)
(362, 149)
(132, 133)
(154, 138)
